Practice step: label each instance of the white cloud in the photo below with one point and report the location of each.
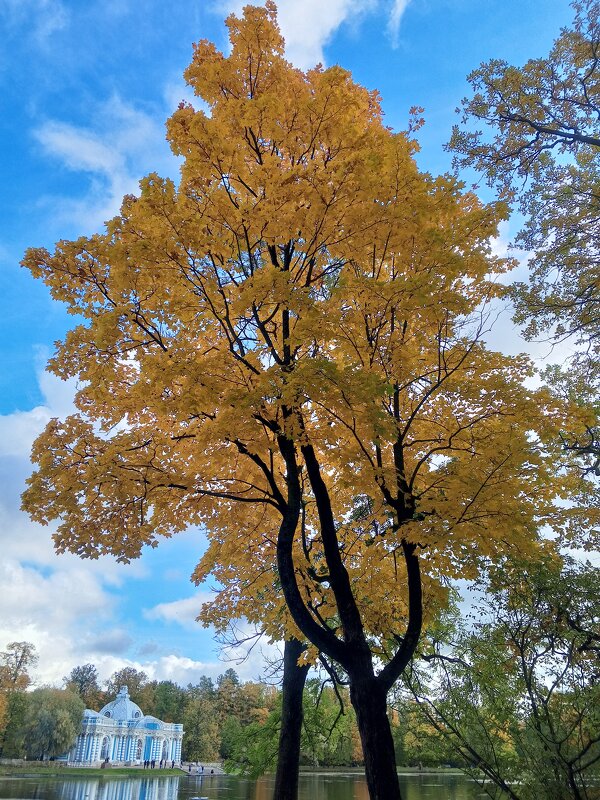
(18, 430)
(71, 609)
(122, 145)
(47, 608)
(239, 647)
(42, 18)
(307, 25)
(180, 669)
(78, 149)
(183, 612)
(396, 14)
(56, 600)
(47, 599)
(58, 394)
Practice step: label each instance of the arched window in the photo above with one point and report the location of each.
(104, 751)
(138, 752)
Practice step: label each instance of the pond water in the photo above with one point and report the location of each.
(313, 786)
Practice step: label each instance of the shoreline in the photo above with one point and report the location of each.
(53, 770)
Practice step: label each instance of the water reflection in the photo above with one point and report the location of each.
(314, 786)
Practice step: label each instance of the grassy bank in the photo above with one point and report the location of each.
(55, 770)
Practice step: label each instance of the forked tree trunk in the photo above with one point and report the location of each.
(368, 691)
(369, 701)
(288, 760)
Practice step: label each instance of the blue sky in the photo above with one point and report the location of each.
(85, 89)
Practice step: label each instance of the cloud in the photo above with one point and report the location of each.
(396, 14)
(50, 608)
(240, 647)
(52, 601)
(78, 611)
(79, 149)
(18, 430)
(58, 599)
(41, 18)
(249, 665)
(176, 668)
(113, 642)
(183, 612)
(124, 144)
(307, 25)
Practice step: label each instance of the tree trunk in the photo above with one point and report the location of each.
(369, 701)
(288, 760)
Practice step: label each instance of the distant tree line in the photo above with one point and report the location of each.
(224, 719)
(509, 693)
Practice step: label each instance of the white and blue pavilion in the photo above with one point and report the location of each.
(121, 733)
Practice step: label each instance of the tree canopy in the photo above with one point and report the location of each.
(287, 347)
(51, 722)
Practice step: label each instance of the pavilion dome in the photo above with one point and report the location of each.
(122, 708)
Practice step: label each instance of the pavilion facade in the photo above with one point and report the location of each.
(121, 733)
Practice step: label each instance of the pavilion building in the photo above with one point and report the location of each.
(122, 734)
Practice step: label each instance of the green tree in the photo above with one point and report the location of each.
(169, 701)
(544, 151)
(251, 749)
(15, 663)
(228, 695)
(517, 695)
(51, 722)
(83, 680)
(205, 688)
(13, 737)
(135, 680)
(202, 735)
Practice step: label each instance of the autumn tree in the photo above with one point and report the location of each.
(286, 347)
(15, 663)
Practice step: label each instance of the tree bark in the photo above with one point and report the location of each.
(288, 761)
(370, 704)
